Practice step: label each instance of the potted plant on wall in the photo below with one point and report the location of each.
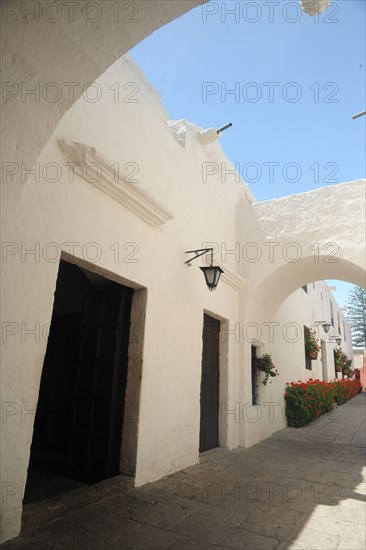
(311, 345)
(342, 363)
(350, 372)
(265, 364)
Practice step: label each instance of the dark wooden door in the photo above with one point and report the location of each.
(99, 386)
(209, 426)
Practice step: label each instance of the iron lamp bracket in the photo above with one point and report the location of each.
(198, 253)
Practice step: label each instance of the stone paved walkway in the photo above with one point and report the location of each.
(300, 489)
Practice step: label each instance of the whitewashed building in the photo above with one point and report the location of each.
(105, 331)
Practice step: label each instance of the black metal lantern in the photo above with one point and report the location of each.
(326, 326)
(338, 340)
(212, 273)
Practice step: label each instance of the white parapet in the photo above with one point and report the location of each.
(209, 136)
(313, 7)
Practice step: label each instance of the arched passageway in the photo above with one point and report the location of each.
(312, 236)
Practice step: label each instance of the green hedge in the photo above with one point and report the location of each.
(306, 401)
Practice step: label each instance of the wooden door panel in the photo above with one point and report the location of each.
(209, 433)
(99, 385)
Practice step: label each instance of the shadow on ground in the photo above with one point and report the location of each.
(300, 489)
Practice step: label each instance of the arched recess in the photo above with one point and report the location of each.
(51, 56)
(269, 294)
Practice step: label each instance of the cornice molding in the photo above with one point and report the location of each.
(231, 278)
(123, 191)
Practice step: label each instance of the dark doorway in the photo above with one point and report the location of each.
(255, 383)
(78, 425)
(324, 360)
(209, 426)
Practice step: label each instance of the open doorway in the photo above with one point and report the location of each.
(79, 419)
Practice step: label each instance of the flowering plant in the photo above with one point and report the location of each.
(348, 372)
(345, 389)
(310, 340)
(268, 367)
(306, 401)
(341, 359)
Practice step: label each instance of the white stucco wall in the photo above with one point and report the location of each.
(177, 296)
(168, 210)
(58, 51)
(358, 358)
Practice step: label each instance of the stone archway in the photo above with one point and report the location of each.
(285, 280)
(297, 239)
(311, 236)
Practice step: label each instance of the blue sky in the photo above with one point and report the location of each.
(341, 292)
(296, 83)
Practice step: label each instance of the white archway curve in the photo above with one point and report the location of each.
(327, 228)
(58, 54)
(272, 291)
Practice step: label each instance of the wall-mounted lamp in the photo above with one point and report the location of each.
(337, 339)
(212, 273)
(326, 326)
